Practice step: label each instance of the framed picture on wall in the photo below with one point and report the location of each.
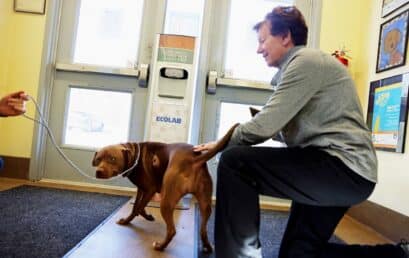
(388, 6)
(392, 43)
(388, 112)
(30, 6)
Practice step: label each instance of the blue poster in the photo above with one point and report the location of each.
(388, 112)
(387, 109)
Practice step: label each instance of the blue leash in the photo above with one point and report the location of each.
(1, 163)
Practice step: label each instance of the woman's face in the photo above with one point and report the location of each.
(272, 48)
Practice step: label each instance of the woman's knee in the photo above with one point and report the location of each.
(231, 157)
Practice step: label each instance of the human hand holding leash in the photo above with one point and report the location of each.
(13, 104)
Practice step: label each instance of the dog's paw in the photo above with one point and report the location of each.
(122, 222)
(158, 246)
(207, 249)
(149, 217)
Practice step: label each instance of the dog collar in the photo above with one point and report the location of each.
(129, 170)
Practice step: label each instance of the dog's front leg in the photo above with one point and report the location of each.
(146, 215)
(140, 208)
(142, 204)
(136, 210)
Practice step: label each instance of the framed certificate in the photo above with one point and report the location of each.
(388, 6)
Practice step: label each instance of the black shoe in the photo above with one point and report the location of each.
(404, 244)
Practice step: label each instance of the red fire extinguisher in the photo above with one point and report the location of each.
(341, 56)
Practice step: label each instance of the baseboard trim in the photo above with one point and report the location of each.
(277, 206)
(15, 167)
(71, 185)
(269, 205)
(389, 223)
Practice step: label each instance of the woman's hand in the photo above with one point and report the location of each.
(204, 146)
(13, 104)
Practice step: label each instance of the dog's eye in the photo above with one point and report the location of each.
(112, 159)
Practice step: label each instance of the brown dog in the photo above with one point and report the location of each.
(170, 169)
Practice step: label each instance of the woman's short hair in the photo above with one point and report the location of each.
(284, 19)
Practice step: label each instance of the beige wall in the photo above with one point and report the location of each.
(22, 41)
(393, 188)
(4, 18)
(355, 25)
(345, 23)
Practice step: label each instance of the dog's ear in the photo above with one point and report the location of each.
(253, 111)
(94, 160)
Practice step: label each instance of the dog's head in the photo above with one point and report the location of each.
(110, 161)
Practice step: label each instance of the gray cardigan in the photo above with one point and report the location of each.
(315, 104)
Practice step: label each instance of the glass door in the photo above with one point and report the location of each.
(96, 99)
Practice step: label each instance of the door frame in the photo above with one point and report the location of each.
(47, 74)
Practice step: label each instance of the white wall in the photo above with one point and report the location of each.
(392, 191)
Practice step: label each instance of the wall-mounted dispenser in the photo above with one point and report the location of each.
(171, 89)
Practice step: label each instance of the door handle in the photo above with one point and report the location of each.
(143, 75)
(211, 82)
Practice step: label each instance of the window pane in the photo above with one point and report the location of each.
(108, 32)
(241, 59)
(96, 118)
(184, 17)
(231, 113)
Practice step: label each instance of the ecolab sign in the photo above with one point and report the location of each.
(170, 120)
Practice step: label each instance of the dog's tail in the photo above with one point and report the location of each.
(220, 145)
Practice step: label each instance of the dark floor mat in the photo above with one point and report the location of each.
(46, 222)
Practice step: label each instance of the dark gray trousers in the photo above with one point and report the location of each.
(321, 187)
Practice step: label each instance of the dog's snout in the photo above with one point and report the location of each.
(99, 174)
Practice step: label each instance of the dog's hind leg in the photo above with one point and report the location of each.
(204, 199)
(167, 206)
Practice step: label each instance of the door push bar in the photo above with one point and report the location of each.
(213, 81)
(141, 72)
